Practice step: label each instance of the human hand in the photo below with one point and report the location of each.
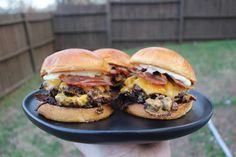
(161, 149)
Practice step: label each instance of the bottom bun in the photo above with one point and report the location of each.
(65, 114)
(138, 110)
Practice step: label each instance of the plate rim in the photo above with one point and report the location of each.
(139, 131)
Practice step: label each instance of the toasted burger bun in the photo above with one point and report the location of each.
(114, 56)
(70, 60)
(65, 114)
(166, 59)
(138, 110)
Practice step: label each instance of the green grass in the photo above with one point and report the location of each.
(202, 140)
(215, 67)
(18, 137)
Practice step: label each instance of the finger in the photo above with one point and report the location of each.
(160, 149)
(98, 150)
(89, 150)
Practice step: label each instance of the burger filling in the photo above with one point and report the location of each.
(159, 92)
(76, 91)
(118, 75)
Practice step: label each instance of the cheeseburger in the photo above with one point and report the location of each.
(119, 64)
(158, 88)
(76, 87)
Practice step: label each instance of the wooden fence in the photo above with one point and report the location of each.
(25, 40)
(135, 23)
(81, 26)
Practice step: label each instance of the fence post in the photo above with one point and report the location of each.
(53, 31)
(181, 21)
(108, 23)
(28, 40)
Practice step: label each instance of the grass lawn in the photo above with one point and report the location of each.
(214, 63)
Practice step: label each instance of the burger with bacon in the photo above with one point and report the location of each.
(76, 87)
(158, 88)
(119, 65)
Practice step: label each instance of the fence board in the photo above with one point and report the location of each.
(139, 30)
(209, 29)
(41, 53)
(147, 10)
(20, 36)
(79, 9)
(88, 41)
(211, 19)
(202, 7)
(41, 31)
(25, 64)
(12, 39)
(8, 18)
(77, 23)
(144, 21)
(80, 26)
(138, 44)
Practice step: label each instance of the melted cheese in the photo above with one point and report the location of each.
(63, 86)
(101, 88)
(62, 99)
(169, 89)
(49, 84)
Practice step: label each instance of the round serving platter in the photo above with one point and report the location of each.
(122, 127)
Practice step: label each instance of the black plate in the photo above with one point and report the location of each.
(121, 127)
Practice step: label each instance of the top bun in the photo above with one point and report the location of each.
(70, 60)
(114, 56)
(166, 59)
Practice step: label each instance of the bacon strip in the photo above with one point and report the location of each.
(180, 84)
(192, 97)
(133, 70)
(157, 79)
(177, 82)
(119, 70)
(154, 79)
(85, 81)
(41, 97)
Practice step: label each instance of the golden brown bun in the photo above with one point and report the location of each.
(166, 59)
(73, 60)
(114, 56)
(138, 110)
(65, 114)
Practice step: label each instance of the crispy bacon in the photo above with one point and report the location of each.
(157, 79)
(41, 97)
(85, 81)
(119, 70)
(191, 97)
(133, 70)
(177, 82)
(154, 79)
(180, 84)
(45, 98)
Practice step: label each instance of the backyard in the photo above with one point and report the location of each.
(214, 63)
